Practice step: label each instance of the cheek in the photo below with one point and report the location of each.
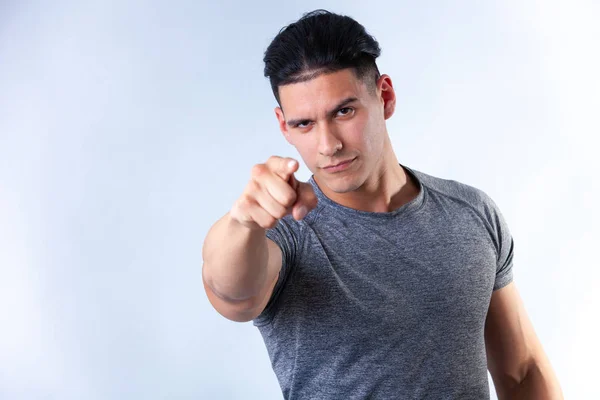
(366, 134)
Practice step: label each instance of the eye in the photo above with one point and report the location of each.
(302, 124)
(345, 111)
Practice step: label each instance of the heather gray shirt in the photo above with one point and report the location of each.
(388, 305)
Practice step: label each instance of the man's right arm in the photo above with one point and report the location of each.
(239, 280)
(241, 265)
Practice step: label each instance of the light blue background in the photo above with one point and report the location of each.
(128, 128)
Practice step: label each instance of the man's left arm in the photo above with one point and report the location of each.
(517, 362)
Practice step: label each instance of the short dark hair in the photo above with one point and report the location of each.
(320, 42)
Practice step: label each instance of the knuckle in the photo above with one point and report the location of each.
(244, 201)
(280, 213)
(271, 223)
(258, 170)
(253, 187)
(273, 162)
(288, 199)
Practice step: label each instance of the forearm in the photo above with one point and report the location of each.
(235, 259)
(539, 382)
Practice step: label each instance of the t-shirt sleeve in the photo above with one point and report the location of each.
(286, 235)
(504, 244)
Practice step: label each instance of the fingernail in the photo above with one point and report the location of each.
(292, 164)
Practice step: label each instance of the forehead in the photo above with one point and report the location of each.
(321, 92)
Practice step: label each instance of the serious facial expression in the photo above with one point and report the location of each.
(336, 118)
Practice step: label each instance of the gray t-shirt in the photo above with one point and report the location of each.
(387, 305)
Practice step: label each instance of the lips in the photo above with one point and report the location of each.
(337, 165)
(340, 167)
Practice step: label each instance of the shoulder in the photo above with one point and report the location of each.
(289, 230)
(469, 195)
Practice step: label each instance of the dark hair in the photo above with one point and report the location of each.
(320, 42)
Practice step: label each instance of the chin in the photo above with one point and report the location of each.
(341, 185)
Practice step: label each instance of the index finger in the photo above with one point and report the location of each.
(283, 167)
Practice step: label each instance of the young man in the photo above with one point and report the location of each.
(373, 280)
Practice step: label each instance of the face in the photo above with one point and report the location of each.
(335, 118)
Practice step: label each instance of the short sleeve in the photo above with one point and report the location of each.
(286, 235)
(504, 245)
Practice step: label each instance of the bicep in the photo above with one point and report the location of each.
(273, 269)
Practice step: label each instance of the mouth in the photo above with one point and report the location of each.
(340, 166)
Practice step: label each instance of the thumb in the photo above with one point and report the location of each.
(306, 200)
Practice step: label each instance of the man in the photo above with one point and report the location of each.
(373, 280)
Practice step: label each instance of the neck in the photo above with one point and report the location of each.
(387, 187)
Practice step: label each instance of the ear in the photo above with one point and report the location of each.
(387, 95)
(282, 125)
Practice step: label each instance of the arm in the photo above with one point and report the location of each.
(241, 265)
(517, 362)
(240, 269)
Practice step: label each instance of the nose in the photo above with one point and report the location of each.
(329, 143)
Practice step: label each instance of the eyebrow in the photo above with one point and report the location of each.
(345, 102)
